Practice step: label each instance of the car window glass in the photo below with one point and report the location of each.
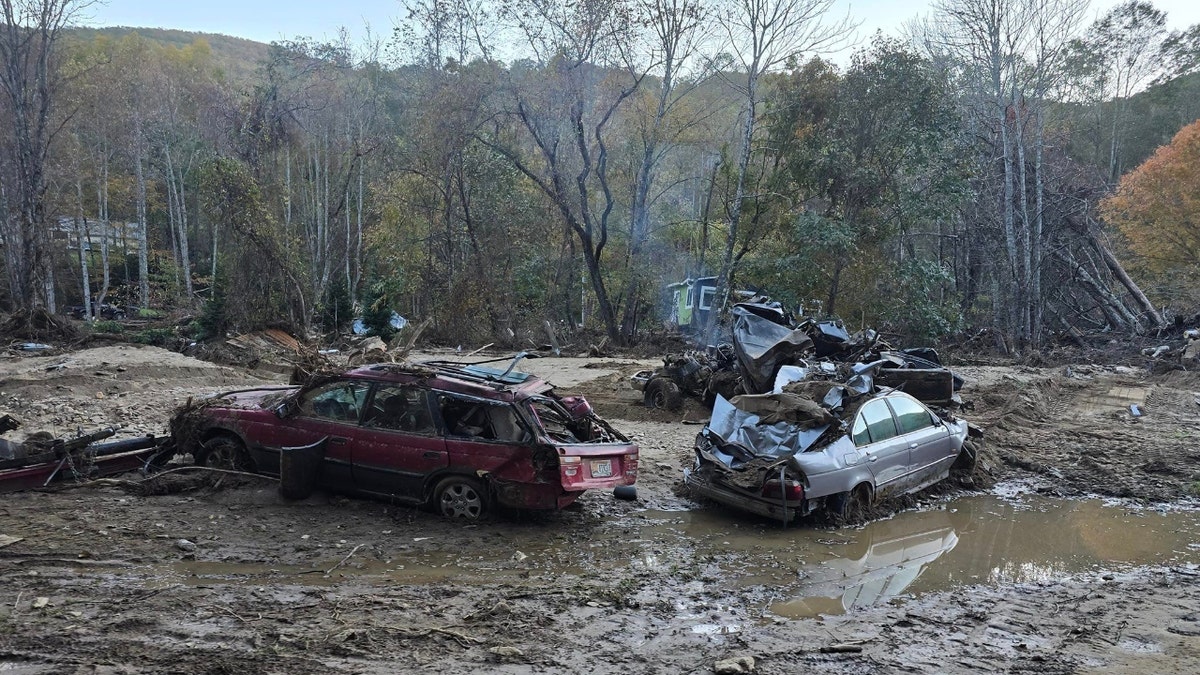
(859, 431)
(878, 420)
(910, 415)
(481, 421)
(401, 408)
(341, 401)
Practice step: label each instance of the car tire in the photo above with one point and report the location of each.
(850, 507)
(223, 452)
(460, 497)
(626, 492)
(968, 457)
(663, 394)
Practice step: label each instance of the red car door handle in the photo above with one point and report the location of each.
(432, 455)
(337, 440)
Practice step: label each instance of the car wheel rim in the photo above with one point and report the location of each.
(221, 457)
(461, 501)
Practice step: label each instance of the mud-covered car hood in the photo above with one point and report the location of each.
(252, 398)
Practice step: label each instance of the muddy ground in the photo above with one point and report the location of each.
(220, 575)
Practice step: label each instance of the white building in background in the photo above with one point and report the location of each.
(121, 236)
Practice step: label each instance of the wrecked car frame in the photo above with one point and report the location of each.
(460, 437)
(793, 456)
(818, 430)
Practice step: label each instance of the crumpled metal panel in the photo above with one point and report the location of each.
(742, 430)
(762, 346)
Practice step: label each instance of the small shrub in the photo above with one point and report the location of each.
(154, 336)
(108, 327)
(147, 313)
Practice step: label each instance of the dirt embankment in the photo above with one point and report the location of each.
(233, 579)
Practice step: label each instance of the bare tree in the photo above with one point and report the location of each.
(764, 35)
(678, 30)
(30, 79)
(565, 107)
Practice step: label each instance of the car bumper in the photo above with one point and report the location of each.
(774, 509)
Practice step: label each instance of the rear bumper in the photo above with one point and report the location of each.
(773, 509)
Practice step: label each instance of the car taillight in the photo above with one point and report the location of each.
(791, 490)
(570, 465)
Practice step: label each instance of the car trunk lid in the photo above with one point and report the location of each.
(586, 466)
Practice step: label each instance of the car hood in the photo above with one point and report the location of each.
(265, 397)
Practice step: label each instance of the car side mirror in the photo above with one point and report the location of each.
(284, 409)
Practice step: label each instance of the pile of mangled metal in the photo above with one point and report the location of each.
(828, 421)
(765, 339)
(41, 460)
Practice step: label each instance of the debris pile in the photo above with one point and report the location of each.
(769, 351)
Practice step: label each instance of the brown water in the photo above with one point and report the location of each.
(798, 571)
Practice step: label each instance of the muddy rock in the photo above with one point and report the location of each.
(734, 666)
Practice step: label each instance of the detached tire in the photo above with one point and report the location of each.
(460, 497)
(224, 452)
(663, 394)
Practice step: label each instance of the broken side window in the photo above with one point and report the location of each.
(555, 422)
(478, 420)
(402, 408)
(341, 401)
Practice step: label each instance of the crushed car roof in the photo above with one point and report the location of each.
(467, 378)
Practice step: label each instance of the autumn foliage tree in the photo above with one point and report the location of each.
(1157, 209)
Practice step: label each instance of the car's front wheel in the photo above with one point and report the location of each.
(460, 497)
(223, 452)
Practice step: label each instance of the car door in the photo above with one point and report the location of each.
(488, 436)
(330, 410)
(399, 444)
(875, 434)
(928, 441)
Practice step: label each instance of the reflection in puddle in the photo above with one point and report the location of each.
(990, 541)
(972, 540)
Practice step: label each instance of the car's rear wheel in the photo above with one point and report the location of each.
(223, 452)
(663, 394)
(460, 497)
(850, 507)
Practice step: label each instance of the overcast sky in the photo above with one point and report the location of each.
(269, 20)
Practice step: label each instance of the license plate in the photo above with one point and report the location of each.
(601, 468)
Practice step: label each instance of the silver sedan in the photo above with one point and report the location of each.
(888, 445)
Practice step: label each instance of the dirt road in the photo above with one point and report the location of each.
(229, 578)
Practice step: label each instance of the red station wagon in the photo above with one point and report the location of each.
(455, 436)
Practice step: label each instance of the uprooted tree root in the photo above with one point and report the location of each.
(39, 324)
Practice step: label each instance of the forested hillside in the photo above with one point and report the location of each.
(492, 166)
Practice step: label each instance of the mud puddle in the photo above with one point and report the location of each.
(792, 573)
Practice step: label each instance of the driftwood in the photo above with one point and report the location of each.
(399, 354)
